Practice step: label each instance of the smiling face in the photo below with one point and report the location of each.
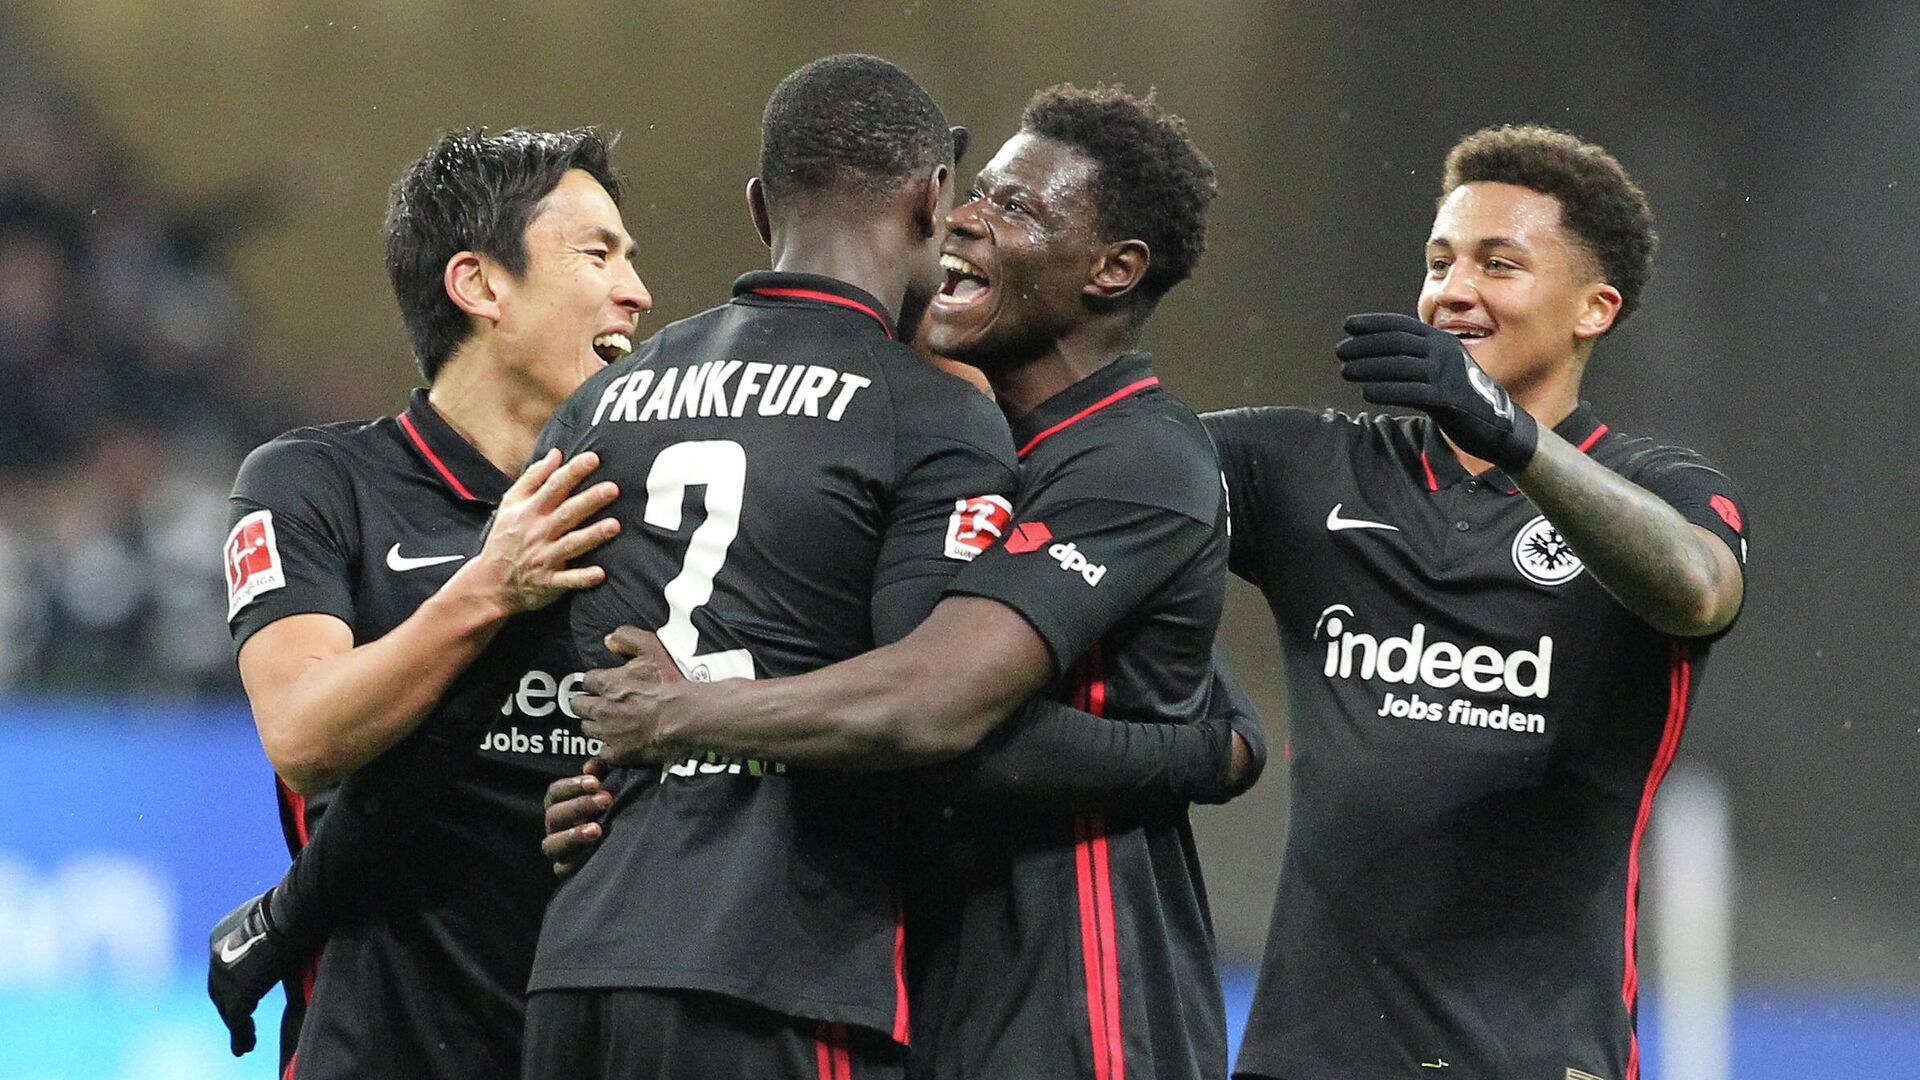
(574, 308)
(1017, 256)
(1522, 293)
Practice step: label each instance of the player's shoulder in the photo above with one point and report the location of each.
(1639, 456)
(1283, 426)
(1149, 449)
(928, 403)
(315, 454)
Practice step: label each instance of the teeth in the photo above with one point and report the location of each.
(961, 266)
(616, 341)
(1468, 333)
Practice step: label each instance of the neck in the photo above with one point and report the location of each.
(492, 408)
(862, 252)
(1084, 349)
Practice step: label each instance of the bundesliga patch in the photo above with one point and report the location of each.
(976, 523)
(253, 561)
(1543, 555)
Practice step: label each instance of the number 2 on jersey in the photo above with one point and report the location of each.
(719, 466)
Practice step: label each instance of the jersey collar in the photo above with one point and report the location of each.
(453, 459)
(815, 290)
(1437, 467)
(1123, 378)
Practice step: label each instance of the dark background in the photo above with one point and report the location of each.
(1779, 145)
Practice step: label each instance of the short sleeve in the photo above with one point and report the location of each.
(292, 541)
(1250, 447)
(1701, 493)
(952, 499)
(1075, 567)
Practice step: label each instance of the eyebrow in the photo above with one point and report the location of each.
(1484, 245)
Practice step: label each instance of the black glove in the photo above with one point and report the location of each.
(1403, 361)
(246, 956)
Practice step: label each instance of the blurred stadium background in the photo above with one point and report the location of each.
(190, 196)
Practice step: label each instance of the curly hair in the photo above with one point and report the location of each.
(852, 124)
(1151, 183)
(472, 191)
(1599, 203)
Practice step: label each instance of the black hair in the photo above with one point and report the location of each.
(1152, 183)
(1599, 204)
(472, 191)
(849, 124)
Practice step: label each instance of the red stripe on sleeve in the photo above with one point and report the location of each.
(901, 1029)
(1586, 444)
(1433, 482)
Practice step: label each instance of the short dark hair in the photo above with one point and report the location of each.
(472, 191)
(1151, 182)
(849, 124)
(1599, 203)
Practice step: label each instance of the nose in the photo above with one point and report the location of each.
(965, 220)
(1457, 290)
(630, 292)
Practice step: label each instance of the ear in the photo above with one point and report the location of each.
(1122, 265)
(1598, 311)
(469, 285)
(757, 209)
(930, 205)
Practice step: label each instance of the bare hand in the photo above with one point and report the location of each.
(575, 805)
(538, 530)
(623, 707)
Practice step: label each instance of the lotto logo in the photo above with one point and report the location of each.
(1070, 560)
(253, 561)
(976, 523)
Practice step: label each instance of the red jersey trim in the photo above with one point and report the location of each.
(830, 1051)
(1151, 380)
(1099, 944)
(1679, 685)
(829, 298)
(1586, 444)
(433, 459)
(1433, 482)
(901, 1031)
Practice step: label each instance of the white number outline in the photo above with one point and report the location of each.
(719, 466)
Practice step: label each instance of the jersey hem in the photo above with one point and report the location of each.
(800, 1007)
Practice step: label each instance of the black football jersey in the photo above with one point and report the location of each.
(1050, 945)
(1478, 729)
(796, 487)
(425, 972)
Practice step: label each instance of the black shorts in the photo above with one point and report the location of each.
(690, 1035)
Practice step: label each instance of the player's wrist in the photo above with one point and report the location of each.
(481, 591)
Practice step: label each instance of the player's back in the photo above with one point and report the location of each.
(792, 489)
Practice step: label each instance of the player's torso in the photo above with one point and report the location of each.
(756, 450)
(1071, 946)
(1473, 724)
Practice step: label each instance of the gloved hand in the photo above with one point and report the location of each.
(246, 956)
(1400, 360)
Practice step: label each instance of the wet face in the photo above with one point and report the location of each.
(574, 308)
(1505, 275)
(1018, 255)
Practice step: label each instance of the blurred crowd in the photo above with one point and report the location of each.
(125, 406)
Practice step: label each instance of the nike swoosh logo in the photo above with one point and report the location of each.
(231, 954)
(402, 563)
(1335, 522)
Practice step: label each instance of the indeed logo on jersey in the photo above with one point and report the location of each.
(1439, 664)
(711, 389)
(1069, 557)
(540, 694)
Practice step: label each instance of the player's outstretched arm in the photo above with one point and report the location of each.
(1682, 579)
(1065, 760)
(929, 697)
(1679, 577)
(325, 706)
